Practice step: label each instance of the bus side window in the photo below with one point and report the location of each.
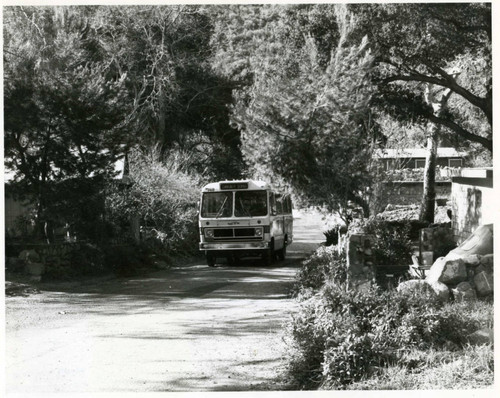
(288, 205)
(279, 204)
(272, 200)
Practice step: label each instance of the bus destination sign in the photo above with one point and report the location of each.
(234, 185)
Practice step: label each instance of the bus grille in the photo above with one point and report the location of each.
(235, 234)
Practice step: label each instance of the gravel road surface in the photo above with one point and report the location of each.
(188, 328)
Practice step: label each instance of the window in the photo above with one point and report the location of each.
(250, 203)
(279, 204)
(455, 162)
(217, 204)
(289, 205)
(272, 202)
(419, 163)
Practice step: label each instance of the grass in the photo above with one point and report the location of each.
(469, 368)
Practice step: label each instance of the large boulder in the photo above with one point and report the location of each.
(441, 290)
(487, 262)
(447, 271)
(479, 242)
(484, 283)
(464, 292)
(29, 256)
(454, 272)
(35, 269)
(480, 337)
(472, 260)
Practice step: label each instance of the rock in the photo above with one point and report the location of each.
(15, 264)
(487, 259)
(480, 337)
(436, 270)
(160, 264)
(472, 260)
(484, 283)
(480, 268)
(454, 272)
(35, 269)
(442, 291)
(487, 262)
(470, 274)
(363, 285)
(464, 292)
(29, 256)
(449, 272)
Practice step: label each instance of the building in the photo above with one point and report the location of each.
(403, 176)
(414, 158)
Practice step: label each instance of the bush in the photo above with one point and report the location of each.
(324, 265)
(163, 194)
(85, 259)
(127, 260)
(340, 336)
(392, 244)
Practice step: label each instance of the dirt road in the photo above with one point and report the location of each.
(189, 328)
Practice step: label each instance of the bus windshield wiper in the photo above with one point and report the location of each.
(245, 210)
(219, 213)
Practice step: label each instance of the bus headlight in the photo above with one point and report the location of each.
(209, 232)
(258, 232)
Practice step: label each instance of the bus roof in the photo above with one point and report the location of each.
(231, 185)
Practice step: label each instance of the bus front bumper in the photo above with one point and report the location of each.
(233, 245)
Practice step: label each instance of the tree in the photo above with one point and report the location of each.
(419, 44)
(177, 98)
(64, 118)
(423, 49)
(306, 125)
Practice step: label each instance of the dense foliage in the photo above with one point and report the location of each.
(340, 336)
(162, 196)
(299, 95)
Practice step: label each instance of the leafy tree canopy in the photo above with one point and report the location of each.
(306, 123)
(444, 45)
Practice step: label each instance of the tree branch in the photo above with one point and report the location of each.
(486, 142)
(448, 82)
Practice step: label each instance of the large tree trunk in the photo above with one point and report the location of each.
(437, 99)
(429, 195)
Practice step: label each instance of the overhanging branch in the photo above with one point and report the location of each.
(448, 82)
(486, 142)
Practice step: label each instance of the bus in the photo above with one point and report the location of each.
(244, 218)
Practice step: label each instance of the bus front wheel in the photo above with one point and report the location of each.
(211, 260)
(282, 252)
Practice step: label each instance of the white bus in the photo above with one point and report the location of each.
(244, 218)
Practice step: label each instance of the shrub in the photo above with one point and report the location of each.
(127, 260)
(85, 259)
(392, 244)
(325, 264)
(340, 336)
(163, 194)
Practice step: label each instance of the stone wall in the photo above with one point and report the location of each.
(406, 193)
(56, 254)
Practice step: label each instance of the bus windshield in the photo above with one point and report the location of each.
(217, 204)
(250, 203)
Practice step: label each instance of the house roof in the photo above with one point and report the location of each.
(393, 153)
